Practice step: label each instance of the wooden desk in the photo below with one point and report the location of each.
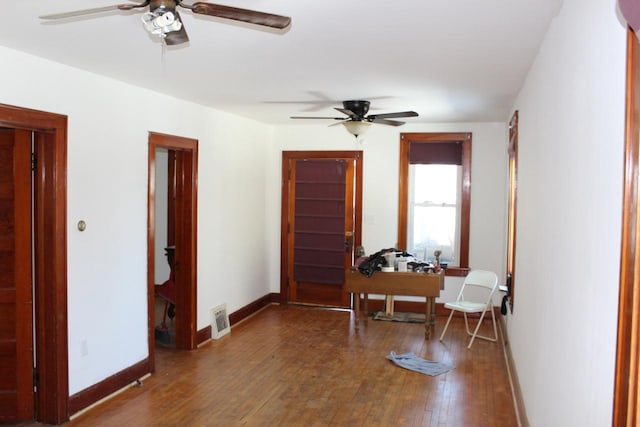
(396, 283)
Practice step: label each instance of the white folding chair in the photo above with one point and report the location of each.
(485, 280)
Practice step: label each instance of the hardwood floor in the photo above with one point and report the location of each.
(302, 366)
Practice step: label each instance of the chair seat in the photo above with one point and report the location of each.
(466, 306)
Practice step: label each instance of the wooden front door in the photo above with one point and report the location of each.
(321, 226)
(16, 309)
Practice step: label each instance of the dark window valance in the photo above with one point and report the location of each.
(435, 153)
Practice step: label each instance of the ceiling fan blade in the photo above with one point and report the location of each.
(176, 37)
(82, 12)
(385, 122)
(345, 111)
(237, 14)
(393, 115)
(324, 118)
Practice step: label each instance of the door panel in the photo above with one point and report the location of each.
(320, 229)
(318, 254)
(183, 265)
(16, 315)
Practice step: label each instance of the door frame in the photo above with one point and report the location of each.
(284, 210)
(186, 231)
(50, 249)
(626, 404)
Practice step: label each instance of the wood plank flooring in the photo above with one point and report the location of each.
(302, 366)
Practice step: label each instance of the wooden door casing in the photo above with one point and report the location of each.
(626, 401)
(50, 255)
(185, 234)
(320, 292)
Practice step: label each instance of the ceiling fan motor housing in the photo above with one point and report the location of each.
(358, 108)
(162, 5)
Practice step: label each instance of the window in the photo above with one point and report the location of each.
(435, 196)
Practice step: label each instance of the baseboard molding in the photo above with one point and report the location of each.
(108, 386)
(204, 334)
(513, 376)
(252, 308)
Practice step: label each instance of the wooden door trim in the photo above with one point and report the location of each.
(512, 206)
(50, 298)
(186, 333)
(626, 409)
(284, 207)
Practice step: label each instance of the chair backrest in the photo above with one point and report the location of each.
(479, 278)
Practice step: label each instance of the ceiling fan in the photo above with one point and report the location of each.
(357, 121)
(164, 20)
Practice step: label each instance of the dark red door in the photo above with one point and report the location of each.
(321, 230)
(16, 318)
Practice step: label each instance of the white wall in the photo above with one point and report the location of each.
(107, 187)
(563, 329)
(380, 187)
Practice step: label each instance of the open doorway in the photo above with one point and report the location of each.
(175, 229)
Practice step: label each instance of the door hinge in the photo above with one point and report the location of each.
(34, 161)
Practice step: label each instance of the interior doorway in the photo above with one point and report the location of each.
(181, 155)
(33, 252)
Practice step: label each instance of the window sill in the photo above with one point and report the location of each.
(457, 271)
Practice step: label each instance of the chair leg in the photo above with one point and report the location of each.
(446, 325)
(466, 322)
(495, 329)
(476, 330)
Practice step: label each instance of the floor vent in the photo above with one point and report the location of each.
(219, 321)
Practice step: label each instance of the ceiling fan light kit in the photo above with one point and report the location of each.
(159, 23)
(356, 128)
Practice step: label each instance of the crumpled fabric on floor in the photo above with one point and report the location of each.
(414, 363)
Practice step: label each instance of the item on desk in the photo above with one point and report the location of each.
(402, 265)
(420, 267)
(390, 259)
(376, 261)
(436, 255)
(388, 269)
(372, 263)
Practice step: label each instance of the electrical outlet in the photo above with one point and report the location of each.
(84, 348)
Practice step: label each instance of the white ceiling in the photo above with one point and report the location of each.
(449, 60)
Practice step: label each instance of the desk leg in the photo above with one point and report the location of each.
(389, 305)
(357, 309)
(366, 308)
(430, 317)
